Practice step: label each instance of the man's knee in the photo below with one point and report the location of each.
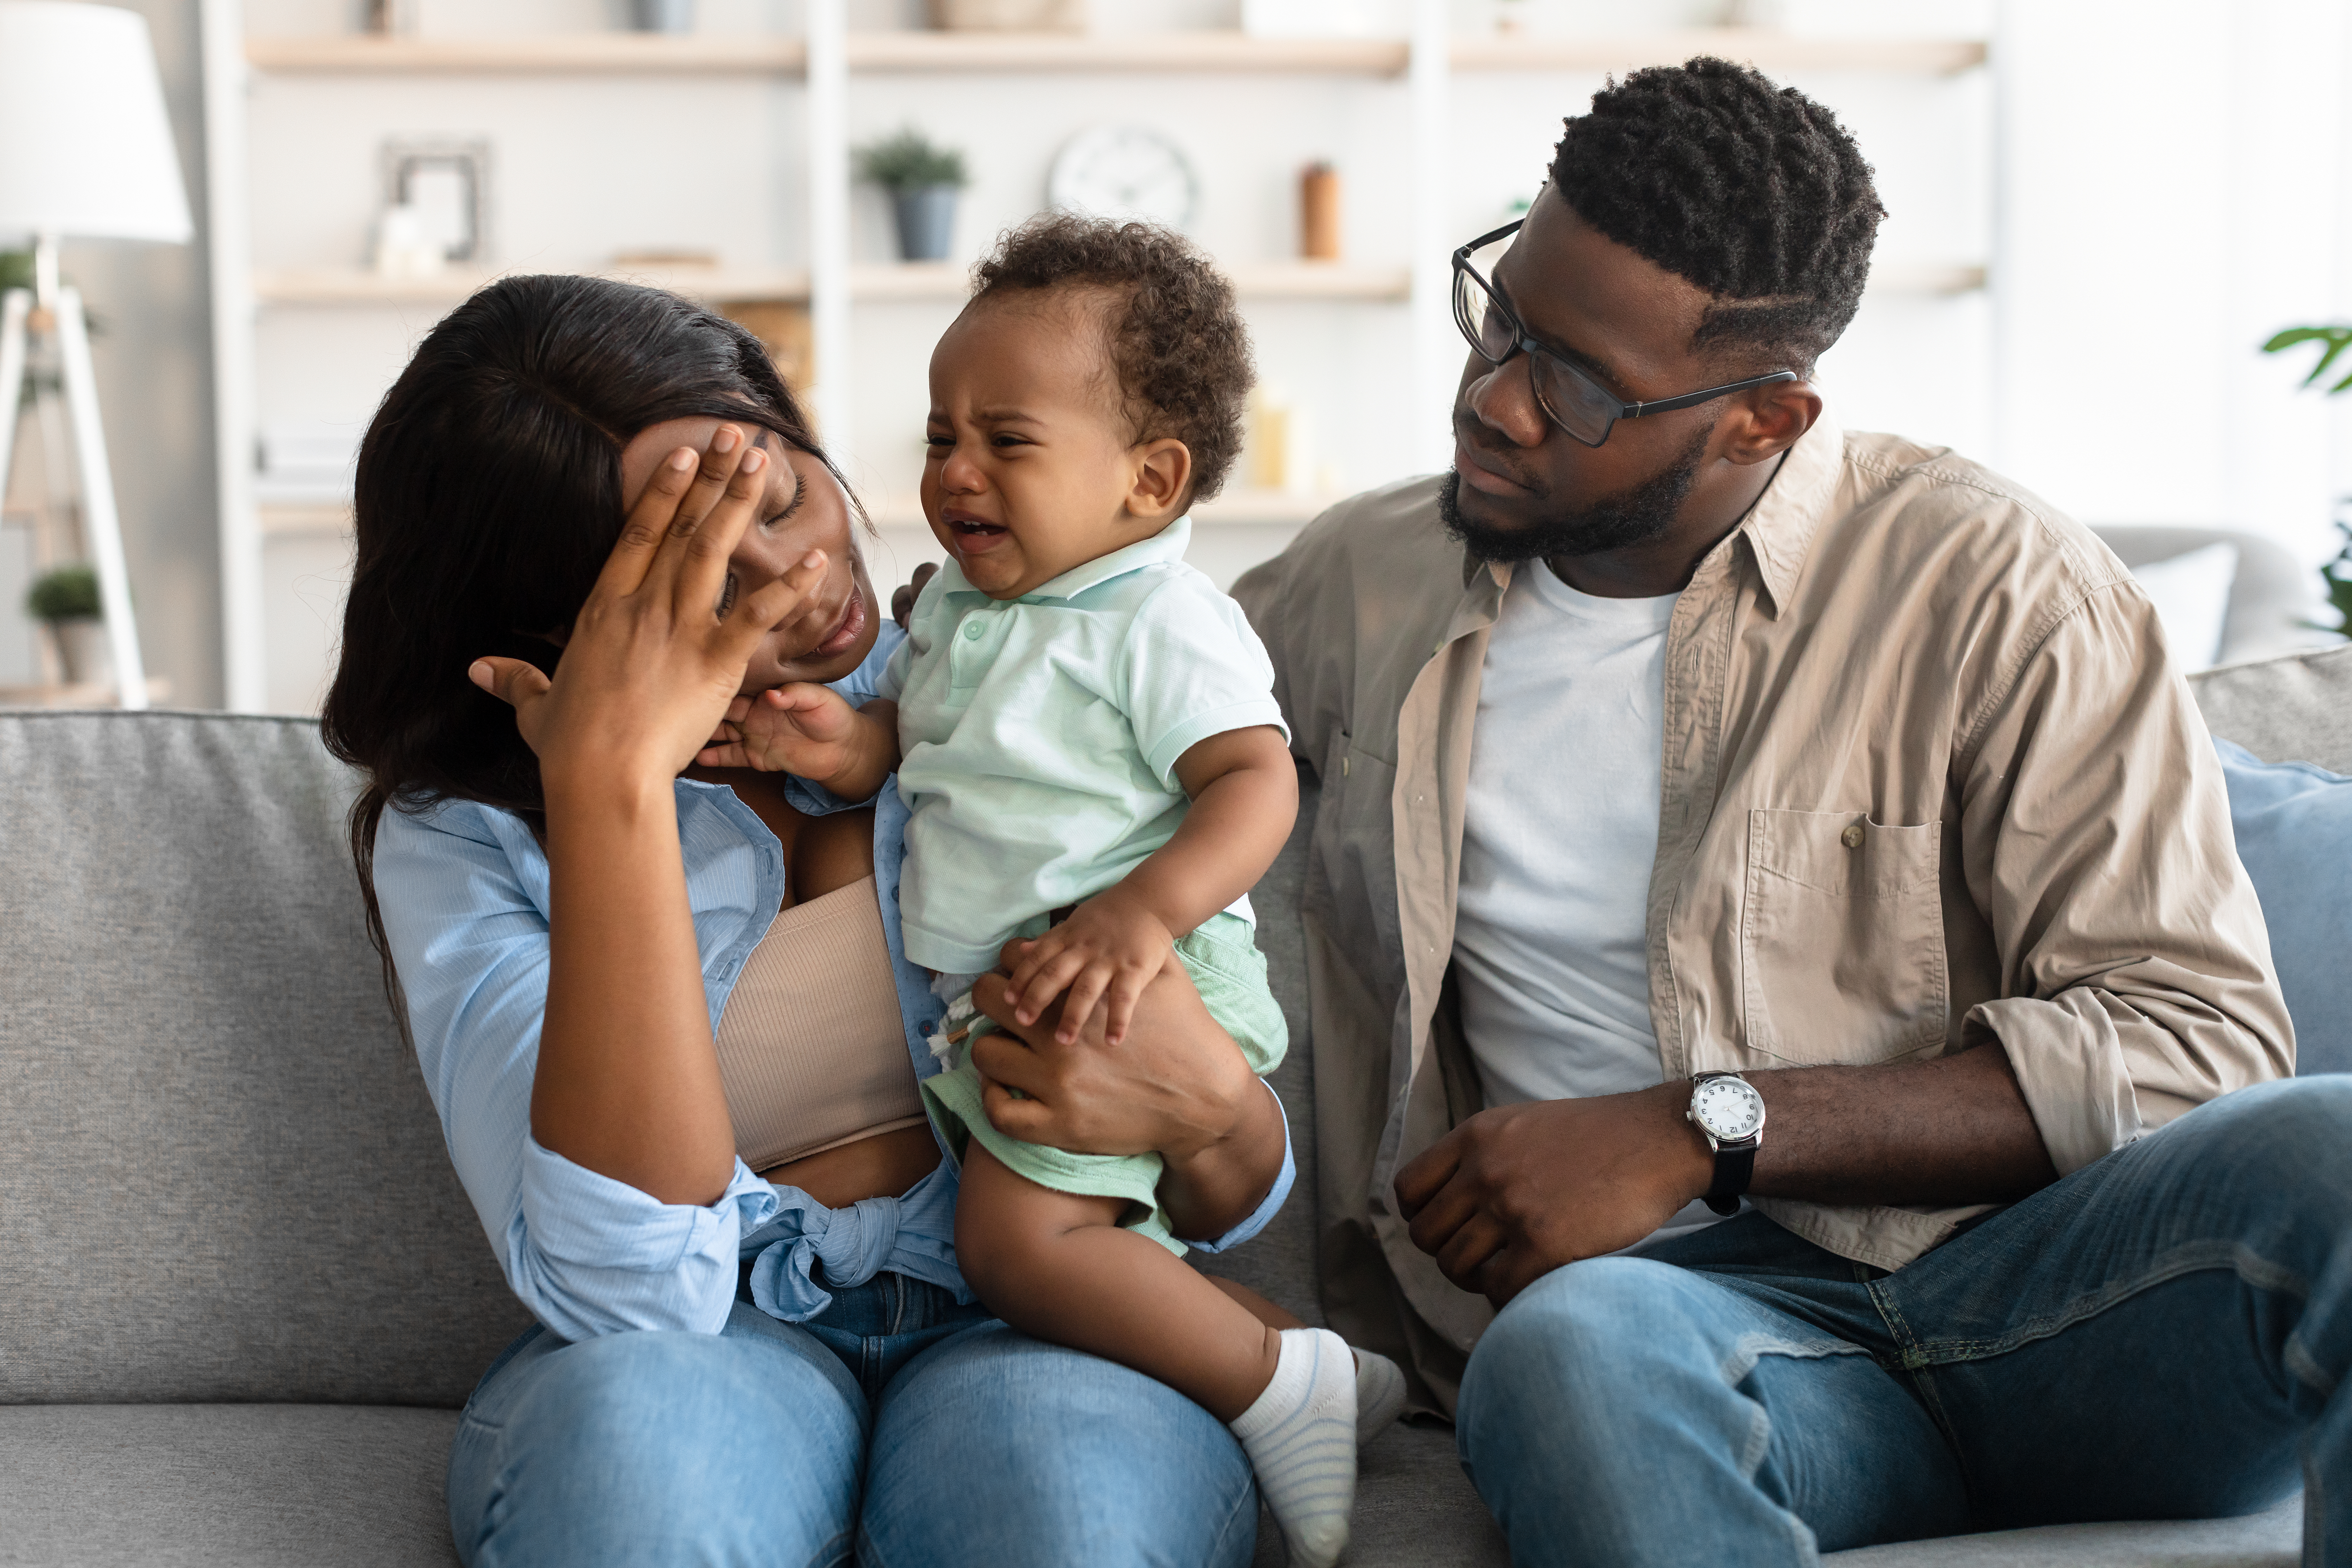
(2291, 1140)
(1580, 1341)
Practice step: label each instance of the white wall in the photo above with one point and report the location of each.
(2175, 192)
(2158, 187)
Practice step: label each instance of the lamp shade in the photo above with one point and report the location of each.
(85, 146)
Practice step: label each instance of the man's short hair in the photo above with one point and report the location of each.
(1754, 192)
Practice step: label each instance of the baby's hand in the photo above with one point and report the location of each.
(804, 729)
(1107, 951)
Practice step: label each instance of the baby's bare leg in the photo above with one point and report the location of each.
(1060, 1267)
(1257, 1306)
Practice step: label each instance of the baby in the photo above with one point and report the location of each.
(1084, 731)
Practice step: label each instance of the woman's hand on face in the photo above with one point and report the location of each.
(654, 660)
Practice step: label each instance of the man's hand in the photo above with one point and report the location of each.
(1110, 948)
(1516, 1192)
(809, 732)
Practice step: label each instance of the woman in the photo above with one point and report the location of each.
(591, 518)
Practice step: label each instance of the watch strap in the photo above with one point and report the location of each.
(1735, 1167)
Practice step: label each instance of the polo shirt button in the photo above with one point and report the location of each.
(971, 631)
(1853, 837)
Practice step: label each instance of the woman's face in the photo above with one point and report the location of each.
(833, 630)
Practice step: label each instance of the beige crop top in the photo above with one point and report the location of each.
(811, 1045)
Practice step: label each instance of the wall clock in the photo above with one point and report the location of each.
(1124, 172)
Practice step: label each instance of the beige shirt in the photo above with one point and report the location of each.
(1929, 781)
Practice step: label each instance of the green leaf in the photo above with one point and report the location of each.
(2338, 338)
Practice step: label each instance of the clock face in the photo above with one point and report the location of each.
(1124, 172)
(1728, 1107)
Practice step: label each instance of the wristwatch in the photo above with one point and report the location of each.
(1729, 1114)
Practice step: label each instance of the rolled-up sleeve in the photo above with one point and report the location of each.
(2137, 980)
(463, 895)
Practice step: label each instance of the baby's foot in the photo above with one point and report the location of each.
(1379, 1394)
(1300, 1437)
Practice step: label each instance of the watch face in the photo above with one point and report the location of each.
(1124, 172)
(1728, 1108)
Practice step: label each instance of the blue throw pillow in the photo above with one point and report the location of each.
(2295, 833)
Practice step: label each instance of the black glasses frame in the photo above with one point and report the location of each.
(1524, 342)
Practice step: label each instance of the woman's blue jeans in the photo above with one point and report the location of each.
(899, 1429)
(2165, 1334)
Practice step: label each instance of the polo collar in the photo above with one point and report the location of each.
(1166, 546)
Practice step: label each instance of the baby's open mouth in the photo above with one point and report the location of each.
(977, 536)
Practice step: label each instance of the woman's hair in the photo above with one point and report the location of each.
(486, 498)
(1177, 340)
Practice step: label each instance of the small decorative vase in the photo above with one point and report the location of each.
(82, 651)
(664, 15)
(926, 222)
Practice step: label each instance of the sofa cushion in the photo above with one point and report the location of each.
(2297, 709)
(241, 1486)
(2294, 824)
(228, 1181)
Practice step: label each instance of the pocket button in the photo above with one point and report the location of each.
(1853, 837)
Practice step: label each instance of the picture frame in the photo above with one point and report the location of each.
(446, 179)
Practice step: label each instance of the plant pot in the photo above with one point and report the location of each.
(83, 652)
(926, 222)
(663, 16)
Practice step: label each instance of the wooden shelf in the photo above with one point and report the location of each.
(549, 54)
(357, 286)
(1234, 508)
(916, 52)
(906, 282)
(912, 52)
(304, 520)
(1764, 47)
(83, 694)
(1925, 278)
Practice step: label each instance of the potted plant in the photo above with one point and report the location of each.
(65, 601)
(922, 180)
(2336, 573)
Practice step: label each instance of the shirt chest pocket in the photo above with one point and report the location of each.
(1841, 938)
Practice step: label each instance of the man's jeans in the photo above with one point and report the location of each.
(2165, 1334)
(897, 1427)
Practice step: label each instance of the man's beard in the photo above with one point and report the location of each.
(1632, 516)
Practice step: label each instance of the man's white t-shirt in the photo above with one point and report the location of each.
(1551, 947)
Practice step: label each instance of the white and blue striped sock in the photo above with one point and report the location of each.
(1300, 1437)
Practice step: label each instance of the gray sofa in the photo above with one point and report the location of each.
(241, 1295)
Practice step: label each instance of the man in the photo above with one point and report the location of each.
(1678, 732)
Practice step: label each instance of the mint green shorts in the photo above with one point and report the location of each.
(1229, 972)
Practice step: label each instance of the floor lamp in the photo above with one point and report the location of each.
(85, 152)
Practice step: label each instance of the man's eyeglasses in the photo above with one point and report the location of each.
(1566, 392)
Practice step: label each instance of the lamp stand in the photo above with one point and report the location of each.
(102, 524)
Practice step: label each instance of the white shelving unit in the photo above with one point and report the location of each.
(831, 61)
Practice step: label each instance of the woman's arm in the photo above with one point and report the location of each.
(628, 1082)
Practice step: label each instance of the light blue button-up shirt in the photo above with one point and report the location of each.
(464, 891)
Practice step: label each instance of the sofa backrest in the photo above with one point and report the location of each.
(224, 1178)
(2297, 709)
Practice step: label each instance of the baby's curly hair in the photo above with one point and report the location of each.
(1177, 344)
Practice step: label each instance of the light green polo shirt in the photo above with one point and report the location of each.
(1040, 736)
